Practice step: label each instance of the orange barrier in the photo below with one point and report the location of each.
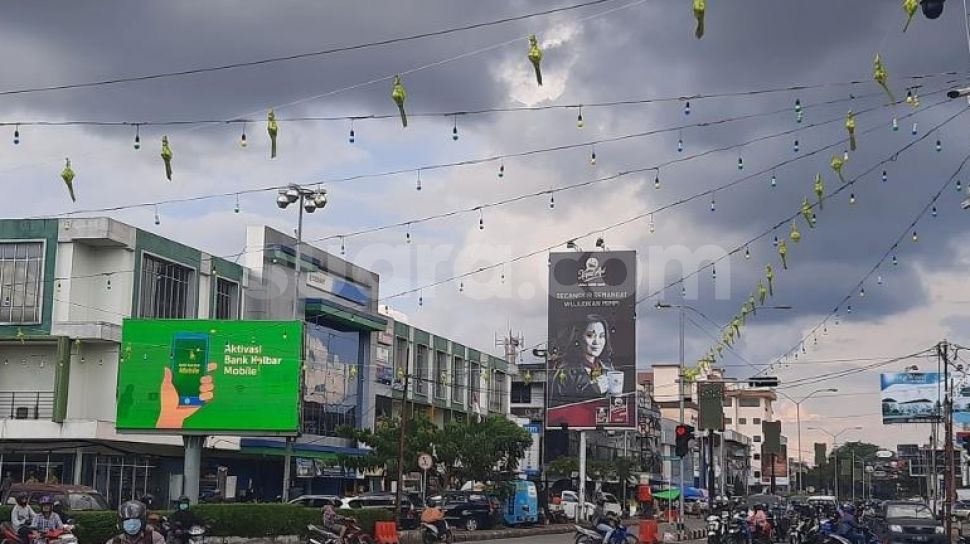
(648, 531)
(385, 532)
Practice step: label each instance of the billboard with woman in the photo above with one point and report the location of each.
(592, 339)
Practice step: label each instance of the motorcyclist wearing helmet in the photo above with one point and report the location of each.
(848, 526)
(133, 520)
(758, 519)
(47, 519)
(184, 519)
(601, 520)
(21, 516)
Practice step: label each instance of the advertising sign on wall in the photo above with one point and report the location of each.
(530, 459)
(780, 466)
(207, 376)
(910, 397)
(592, 340)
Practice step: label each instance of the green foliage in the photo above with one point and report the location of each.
(482, 451)
(384, 444)
(243, 520)
(564, 466)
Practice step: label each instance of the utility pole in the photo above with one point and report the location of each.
(943, 352)
(400, 447)
(711, 489)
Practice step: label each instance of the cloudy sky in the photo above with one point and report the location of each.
(616, 50)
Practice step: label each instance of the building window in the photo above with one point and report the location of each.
(21, 270)
(166, 289)
(757, 474)
(496, 400)
(458, 383)
(421, 370)
(728, 402)
(756, 457)
(749, 402)
(402, 351)
(742, 421)
(521, 393)
(474, 385)
(756, 421)
(441, 367)
(227, 299)
(728, 421)
(756, 438)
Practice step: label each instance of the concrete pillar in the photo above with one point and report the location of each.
(78, 466)
(192, 468)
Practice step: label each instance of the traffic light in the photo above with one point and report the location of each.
(683, 434)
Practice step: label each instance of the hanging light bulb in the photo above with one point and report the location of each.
(552, 200)
(933, 212)
(895, 124)
(848, 309)
(851, 198)
(740, 162)
(158, 221)
(959, 186)
(798, 105)
(236, 208)
(343, 246)
(683, 290)
(680, 145)
(713, 205)
(137, 144)
(407, 233)
(502, 277)
(845, 154)
(481, 220)
(501, 170)
(909, 96)
(895, 261)
(454, 129)
(939, 145)
(713, 272)
(915, 237)
(592, 156)
(774, 180)
(656, 180)
(652, 225)
(747, 252)
(914, 131)
(353, 137)
(878, 280)
(418, 186)
(16, 135)
(885, 176)
(579, 118)
(774, 242)
(461, 287)
(862, 291)
(107, 284)
(420, 299)
(799, 117)
(242, 137)
(687, 108)
(795, 147)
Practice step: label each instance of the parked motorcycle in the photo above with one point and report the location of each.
(318, 535)
(431, 535)
(592, 536)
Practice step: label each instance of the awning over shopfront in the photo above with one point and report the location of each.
(262, 446)
(350, 318)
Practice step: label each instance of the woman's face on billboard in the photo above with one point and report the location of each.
(594, 339)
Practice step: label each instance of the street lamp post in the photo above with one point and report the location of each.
(680, 375)
(798, 424)
(835, 452)
(309, 201)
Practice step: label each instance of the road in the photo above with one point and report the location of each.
(546, 539)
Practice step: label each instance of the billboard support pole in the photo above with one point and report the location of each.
(191, 468)
(580, 513)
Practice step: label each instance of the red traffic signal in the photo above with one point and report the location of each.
(681, 430)
(682, 436)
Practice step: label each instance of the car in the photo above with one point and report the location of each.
(470, 510)
(908, 522)
(408, 517)
(961, 510)
(73, 498)
(318, 501)
(611, 504)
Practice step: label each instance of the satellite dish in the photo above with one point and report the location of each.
(885, 454)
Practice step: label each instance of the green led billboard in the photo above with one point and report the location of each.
(209, 377)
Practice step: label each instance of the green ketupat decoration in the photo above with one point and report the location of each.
(783, 253)
(752, 305)
(167, 157)
(850, 128)
(700, 6)
(399, 94)
(807, 213)
(736, 326)
(770, 276)
(819, 189)
(68, 176)
(909, 6)
(881, 76)
(535, 56)
(795, 235)
(837, 163)
(273, 128)
(762, 293)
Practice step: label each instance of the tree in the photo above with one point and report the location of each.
(564, 466)
(384, 445)
(482, 450)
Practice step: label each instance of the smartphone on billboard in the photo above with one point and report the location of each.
(190, 352)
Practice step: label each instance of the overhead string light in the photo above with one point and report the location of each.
(407, 233)
(895, 124)
(420, 299)
(747, 252)
(795, 146)
(343, 246)
(501, 169)
(740, 161)
(915, 129)
(895, 261)
(592, 155)
(651, 225)
(959, 186)
(481, 219)
(242, 137)
(680, 142)
(579, 118)
(885, 176)
(137, 144)
(454, 129)
(353, 136)
(418, 185)
(16, 135)
(933, 212)
(862, 291)
(158, 220)
(687, 108)
(798, 111)
(939, 144)
(656, 180)
(915, 237)
(552, 199)
(713, 204)
(774, 180)
(236, 208)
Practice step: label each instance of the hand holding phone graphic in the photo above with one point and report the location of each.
(187, 383)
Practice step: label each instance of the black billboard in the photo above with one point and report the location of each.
(592, 339)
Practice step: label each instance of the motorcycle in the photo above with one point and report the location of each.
(715, 529)
(318, 535)
(621, 535)
(431, 535)
(193, 535)
(738, 532)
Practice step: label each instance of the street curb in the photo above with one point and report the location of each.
(414, 536)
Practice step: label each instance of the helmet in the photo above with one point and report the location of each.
(184, 498)
(849, 509)
(132, 517)
(22, 498)
(46, 500)
(148, 500)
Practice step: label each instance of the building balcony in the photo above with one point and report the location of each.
(27, 404)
